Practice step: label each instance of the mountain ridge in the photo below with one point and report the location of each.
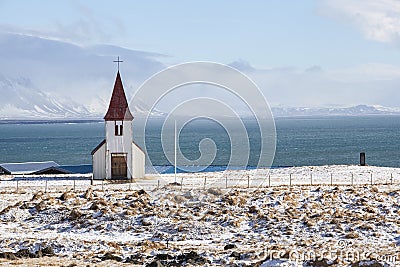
(357, 110)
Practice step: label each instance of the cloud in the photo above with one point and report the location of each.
(88, 28)
(86, 75)
(378, 20)
(242, 65)
(363, 84)
(314, 69)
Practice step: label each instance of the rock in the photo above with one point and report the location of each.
(235, 201)
(8, 256)
(371, 263)
(215, 191)
(191, 257)
(141, 192)
(75, 214)
(103, 202)
(319, 263)
(94, 206)
(147, 222)
(253, 209)
(155, 264)
(47, 251)
(179, 199)
(236, 223)
(370, 209)
(164, 257)
(130, 212)
(366, 227)
(309, 223)
(285, 255)
(37, 196)
(328, 234)
(5, 210)
(25, 253)
(109, 256)
(189, 194)
(135, 259)
(235, 255)
(211, 212)
(41, 206)
(315, 215)
(67, 195)
(229, 246)
(352, 235)
(375, 189)
(88, 194)
(25, 206)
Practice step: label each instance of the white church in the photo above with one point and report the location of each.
(117, 156)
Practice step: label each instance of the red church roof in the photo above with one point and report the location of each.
(118, 109)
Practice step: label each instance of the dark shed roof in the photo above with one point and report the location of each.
(27, 167)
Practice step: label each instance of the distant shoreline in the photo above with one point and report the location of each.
(43, 121)
(276, 117)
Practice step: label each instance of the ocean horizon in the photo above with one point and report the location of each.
(301, 141)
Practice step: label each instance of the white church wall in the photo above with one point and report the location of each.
(99, 163)
(138, 161)
(119, 144)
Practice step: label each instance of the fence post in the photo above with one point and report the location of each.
(45, 189)
(311, 179)
(226, 181)
(248, 181)
(205, 182)
(331, 179)
(102, 185)
(269, 180)
(74, 184)
(17, 185)
(290, 180)
(371, 179)
(352, 179)
(181, 183)
(391, 178)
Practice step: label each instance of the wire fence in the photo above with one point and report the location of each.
(222, 180)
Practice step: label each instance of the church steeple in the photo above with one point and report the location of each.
(118, 110)
(118, 157)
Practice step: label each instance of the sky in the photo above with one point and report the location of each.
(313, 50)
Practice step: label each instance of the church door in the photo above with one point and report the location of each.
(118, 165)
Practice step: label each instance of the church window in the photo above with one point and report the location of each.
(118, 128)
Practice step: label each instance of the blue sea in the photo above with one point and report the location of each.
(300, 141)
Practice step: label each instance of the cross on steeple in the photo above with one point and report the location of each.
(118, 61)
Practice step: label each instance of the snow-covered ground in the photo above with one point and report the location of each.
(204, 222)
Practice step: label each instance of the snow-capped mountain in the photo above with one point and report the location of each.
(43, 78)
(141, 109)
(341, 111)
(21, 100)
